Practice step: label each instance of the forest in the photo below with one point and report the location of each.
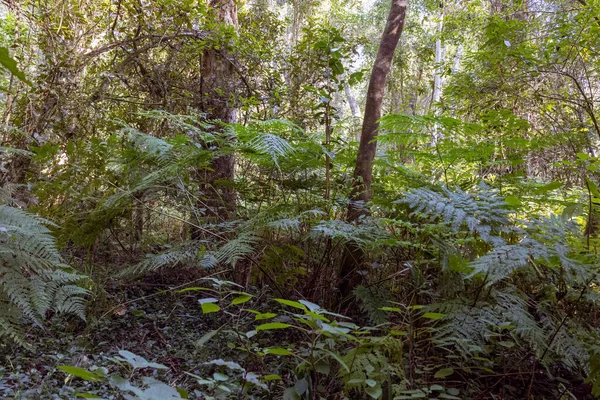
(299, 199)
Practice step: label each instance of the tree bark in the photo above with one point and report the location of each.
(353, 107)
(218, 86)
(349, 276)
(437, 80)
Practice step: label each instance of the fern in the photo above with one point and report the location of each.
(33, 277)
(372, 299)
(236, 249)
(366, 233)
(483, 212)
(265, 138)
(191, 254)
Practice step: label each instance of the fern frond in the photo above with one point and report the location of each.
(191, 254)
(33, 279)
(271, 145)
(236, 249)
(483, 212)
(365, 233)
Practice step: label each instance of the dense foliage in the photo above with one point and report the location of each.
(193, 204)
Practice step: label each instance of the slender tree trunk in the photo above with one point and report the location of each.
(353, 107)
(437, 79)
(218, 87)
(349, 275)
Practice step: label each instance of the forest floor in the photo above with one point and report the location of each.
(146, 319)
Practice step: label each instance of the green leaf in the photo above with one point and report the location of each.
(391, 309)
(291, 303)
(309, 305)
(549, 187)
(206, 337)
(242, 299)
(433, 315)
(371, 382)
(264, 316)
(447, 396)
(87, 395)
(80, 373)
(301, 386)
(183, 393)
(208, 308)
(290, 394)
(271, 326)
(272, 377)
(193, 289)
(279, 351)
(208, 305)
(137, 361)
(220, 377)
(593, 188)
(338, 359)
(10, 64)
(374, 392)
(444, 372)
(322, 367)
(512, 201)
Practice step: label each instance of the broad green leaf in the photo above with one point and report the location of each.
(371, 382)
(512, 201)
(592, 187)
(242, 299)
(183, 393)
(272, 377)
(80, 373)
(279, 351)
(87, 395)
(232, 365)
(433, 315)
(208, 305)
(264, 316)
(192, 289)
(291, 303)
(290, 394)
(220, 377)
(374, 392)
(137, 361)
(309, 305)
(448, 396)
(10, 64)
(443, 373)
(322, 367)
(206, 337)
(301, 386)
(391, 309)
(199, 379)
(549, 187)
(271, 326)
(208, 300)
(338, 359)
(224, 388)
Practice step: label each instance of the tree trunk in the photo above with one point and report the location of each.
(437, 80)
(218, 87)
(349, 276)
(353, 107)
